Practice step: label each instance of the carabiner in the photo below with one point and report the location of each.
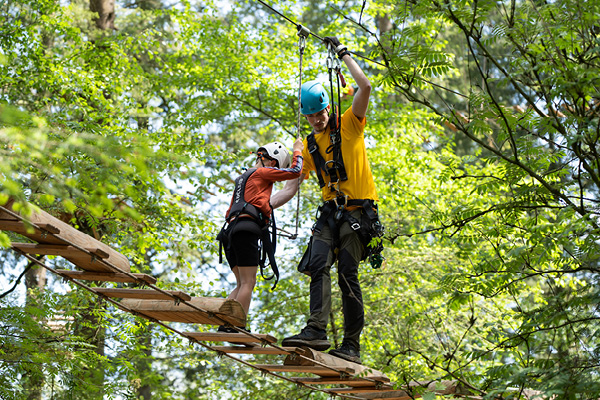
(303, 31)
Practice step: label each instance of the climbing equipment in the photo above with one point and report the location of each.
(266, 228)
(303, 33)
(275, 151)
(368, 228)
(313, 98)
(335, 212)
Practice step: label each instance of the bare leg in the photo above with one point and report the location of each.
(246, 278)
(234, 293)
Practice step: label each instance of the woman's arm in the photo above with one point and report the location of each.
(284, 195)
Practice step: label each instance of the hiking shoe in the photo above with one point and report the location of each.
(229, 329)
(348, 352)
(309, 337)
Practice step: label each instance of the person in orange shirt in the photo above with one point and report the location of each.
(348, 217)
(250, 213)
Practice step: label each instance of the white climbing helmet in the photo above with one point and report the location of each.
(276, 151)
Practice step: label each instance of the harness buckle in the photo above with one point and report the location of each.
(334, 186)
(337, 200)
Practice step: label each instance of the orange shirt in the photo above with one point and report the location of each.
(260, 184)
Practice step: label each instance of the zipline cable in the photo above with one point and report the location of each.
(357, 54)
(298, 26)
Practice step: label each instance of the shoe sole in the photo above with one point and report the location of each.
(320, 345)
(355, 360)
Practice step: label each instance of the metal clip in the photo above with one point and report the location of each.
(334, 186)
(303, 31)
(338, 214)
(341, 204)
(329, 62)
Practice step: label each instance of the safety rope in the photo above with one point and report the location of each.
(303, 33)
(178, 300)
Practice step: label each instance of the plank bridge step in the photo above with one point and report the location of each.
(230, 337)
(108, 276)
(142, 294)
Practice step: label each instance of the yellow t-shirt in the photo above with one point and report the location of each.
(360, 184)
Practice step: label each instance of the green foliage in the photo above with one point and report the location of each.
(482, 136)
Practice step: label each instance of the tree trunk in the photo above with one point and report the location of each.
(33, 381)
(106, 13)
(144, 364)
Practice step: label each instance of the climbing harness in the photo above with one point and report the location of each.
(264, 227)
(335, 212)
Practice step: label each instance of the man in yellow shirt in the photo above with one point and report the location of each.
(348, 217)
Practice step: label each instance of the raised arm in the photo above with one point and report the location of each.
(284, 195)
(360, 104)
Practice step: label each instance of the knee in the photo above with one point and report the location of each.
(249, 281)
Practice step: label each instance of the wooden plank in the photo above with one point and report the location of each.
(83, 260)
(218, 310)
(107, 276)
(444, 387)
(58, 250)
(351, 381)
(72, 235)
(141, 294)
(356, 390)
(327, 359)
(230, 337)
(395, 395)
(257, 350)
(17, 226)
(316, 370)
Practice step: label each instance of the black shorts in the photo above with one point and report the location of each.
(243, 248)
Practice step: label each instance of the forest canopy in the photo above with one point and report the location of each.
(130, 119)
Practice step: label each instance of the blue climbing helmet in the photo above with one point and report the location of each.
(313, 98)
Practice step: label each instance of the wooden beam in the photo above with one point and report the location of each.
(217, 310)
(351, 381)
(141, 294)
(316, 370)
(17, 226)
(107, 276)
(394, 395)
(230, 337)
(58, 250)
(68, 233)
(444, 387)
(257, 350)
(82, 259)
(366, 389)
(327, 359)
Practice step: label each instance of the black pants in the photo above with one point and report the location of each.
(322, 257)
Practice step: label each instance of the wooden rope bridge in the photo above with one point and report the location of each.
(99, 262)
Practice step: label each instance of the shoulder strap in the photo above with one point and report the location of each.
(336, 140)
(338, 162)
(313, 149)
(239, 204)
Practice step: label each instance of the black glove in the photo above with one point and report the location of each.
(339, 48)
